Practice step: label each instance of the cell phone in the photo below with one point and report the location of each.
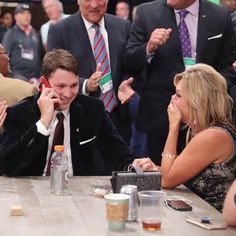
(211, 225)
(179, 205)
(46, 83)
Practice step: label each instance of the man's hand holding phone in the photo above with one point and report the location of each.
(46, 103)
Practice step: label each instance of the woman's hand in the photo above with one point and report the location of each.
(174, 114)
(145, 164)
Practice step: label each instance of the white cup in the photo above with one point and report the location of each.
(117, 205)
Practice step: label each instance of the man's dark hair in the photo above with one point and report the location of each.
(59, 59)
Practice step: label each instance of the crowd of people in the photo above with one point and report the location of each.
(156, 85)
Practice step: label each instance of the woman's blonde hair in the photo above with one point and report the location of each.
(206, 93)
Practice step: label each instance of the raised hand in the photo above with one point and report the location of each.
(158, 37)
(125, 92)
(93, 81)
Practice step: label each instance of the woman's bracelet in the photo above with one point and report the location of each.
(168, 155)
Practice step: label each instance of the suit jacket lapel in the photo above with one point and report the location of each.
(202, 30)
(168, 16)
(85, 43)
(110, 28)
(75, 119)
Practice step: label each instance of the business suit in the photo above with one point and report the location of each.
(71, 34)
(216, 46)
(14, 90)
(24, 150)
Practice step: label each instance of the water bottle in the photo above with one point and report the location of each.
(59, 171)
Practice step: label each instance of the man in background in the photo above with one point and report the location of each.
(157, 46)
(123, 10)
(54, 11)
(23, 45)
(6, 23)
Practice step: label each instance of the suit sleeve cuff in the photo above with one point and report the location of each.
(149, 55)
(42, 129)
(84, 87)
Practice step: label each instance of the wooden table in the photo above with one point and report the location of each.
(81, 214)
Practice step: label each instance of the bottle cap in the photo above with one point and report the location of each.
(59, 148)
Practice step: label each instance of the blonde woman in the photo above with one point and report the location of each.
(207, 165)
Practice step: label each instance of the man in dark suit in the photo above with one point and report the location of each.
(76, 34)
(154, 47)
(26, 143)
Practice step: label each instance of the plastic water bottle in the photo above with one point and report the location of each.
(59, 171)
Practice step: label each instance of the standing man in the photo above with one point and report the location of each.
(166, 37)
(54, 11)
(82, 34)
(31, 127)
(23, 45)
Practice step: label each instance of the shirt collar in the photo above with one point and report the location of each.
(64, 112)
(27, 30)
(89, 25)
(192, 9)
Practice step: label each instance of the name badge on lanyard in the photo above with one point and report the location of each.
(189, 61)
(27, 54)
(105, 83)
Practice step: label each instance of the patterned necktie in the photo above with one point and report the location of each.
(101, 56)
(58, 138)
(184, 34)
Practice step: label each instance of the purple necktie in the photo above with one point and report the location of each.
(184, 34)
(101, 56)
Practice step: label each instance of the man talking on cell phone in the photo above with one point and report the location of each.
(31, 127)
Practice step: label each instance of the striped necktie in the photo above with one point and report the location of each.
(101, 56)
(184, 34)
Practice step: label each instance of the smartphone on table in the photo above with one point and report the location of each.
(179, 205)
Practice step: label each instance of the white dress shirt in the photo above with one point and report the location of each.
(191, 21)
(50, 132)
